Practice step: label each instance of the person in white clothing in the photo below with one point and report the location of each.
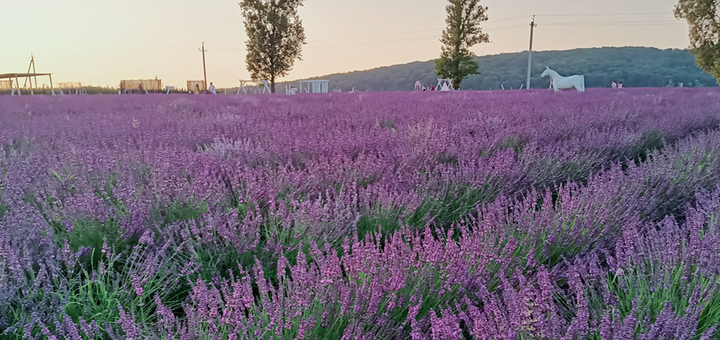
(212, 88)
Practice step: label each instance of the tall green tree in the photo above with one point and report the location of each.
(463, 31)
(275, 37)
(704, 21)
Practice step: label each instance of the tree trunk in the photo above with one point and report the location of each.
(456, 67)
(272, 83)
(456, 83)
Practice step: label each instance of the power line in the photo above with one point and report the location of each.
(505, 28)
(508, 19)
(377, 36)
(118, 56)
(413, 39)
(614, 23)
(382, 42)
(489, 22)
(602, 14)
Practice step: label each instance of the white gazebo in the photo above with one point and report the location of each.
(314, 86)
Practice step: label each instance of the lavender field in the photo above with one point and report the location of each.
(465, 215)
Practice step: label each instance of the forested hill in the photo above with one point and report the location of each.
(634, 66)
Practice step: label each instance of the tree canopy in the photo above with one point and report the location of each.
(275, 37)
(462, 32)
(704, 21)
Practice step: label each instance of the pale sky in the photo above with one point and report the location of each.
(100, 42)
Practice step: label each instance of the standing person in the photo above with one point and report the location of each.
(620, 85)
(614, 84)
(212, 88)
(197, 88)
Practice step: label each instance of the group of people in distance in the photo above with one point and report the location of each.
(210, 90)
(419, 86)
(424, 88)
(616, 85)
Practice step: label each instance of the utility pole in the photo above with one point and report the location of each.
(529, 70)
(203, 50)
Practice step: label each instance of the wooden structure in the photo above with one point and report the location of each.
(5, 85)
(195, 86)
(147, 84)
(15, 79)
(70, 85)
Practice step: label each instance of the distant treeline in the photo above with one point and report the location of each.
(634, 66)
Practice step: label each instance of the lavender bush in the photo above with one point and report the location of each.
(469, 215)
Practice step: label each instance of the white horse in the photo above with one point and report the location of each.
(563, 83)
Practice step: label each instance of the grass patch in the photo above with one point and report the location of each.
(650, 142)
(516, 143)
(454, 205)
